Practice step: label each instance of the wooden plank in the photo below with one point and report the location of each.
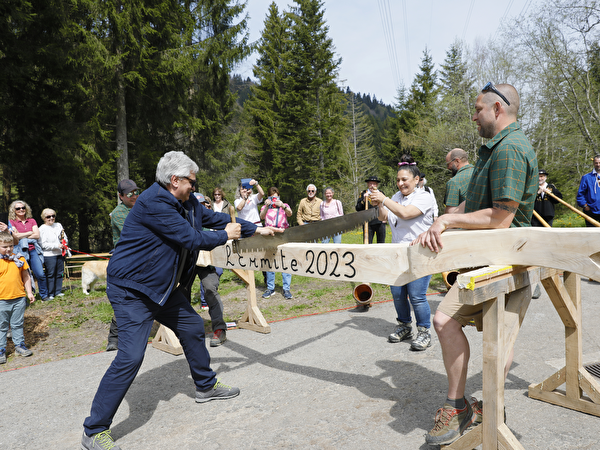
(524, 277)
(574, 250)
(515, 309)
(166, 341)
(471, 439)
(493, 370)
(573, 338)
(583, 404)
(552, 382)
(252, 319)
(507, 440)
(589, 385)
(560, 299)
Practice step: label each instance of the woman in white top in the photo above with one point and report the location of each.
(246, 204)
(51, 237)
(409, 213)
(331, 208)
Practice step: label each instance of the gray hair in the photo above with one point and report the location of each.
(311, 186)
(329, 188)
(174, 163)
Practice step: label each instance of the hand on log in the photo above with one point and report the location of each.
(432, 238)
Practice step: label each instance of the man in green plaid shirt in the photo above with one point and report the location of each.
(501, 194)
(457, 162)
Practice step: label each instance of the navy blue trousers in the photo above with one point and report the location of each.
(135, 314)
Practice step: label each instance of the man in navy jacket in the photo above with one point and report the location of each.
(152, 262)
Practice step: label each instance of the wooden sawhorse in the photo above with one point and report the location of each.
(502, 318)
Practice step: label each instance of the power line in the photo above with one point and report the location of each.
(468, 19)
(406, 42)
(390, 41)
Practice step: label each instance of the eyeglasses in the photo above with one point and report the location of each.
(20, 208)
(216, 195)
(192, 182)
(51, 217)
(132, 193)
(489, 87)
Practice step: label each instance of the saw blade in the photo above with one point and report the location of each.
(307, 233)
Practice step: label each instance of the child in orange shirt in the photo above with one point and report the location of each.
(14, 283)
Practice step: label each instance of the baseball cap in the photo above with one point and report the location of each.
(126, 186)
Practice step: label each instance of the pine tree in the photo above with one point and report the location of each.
(359, 151)
(267, 100)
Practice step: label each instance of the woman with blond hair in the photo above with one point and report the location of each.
(25, 229)
(52, 236)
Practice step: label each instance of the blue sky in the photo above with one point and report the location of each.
(379, 52)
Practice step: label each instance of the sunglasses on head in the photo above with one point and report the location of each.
(489, 87)
(132, 193)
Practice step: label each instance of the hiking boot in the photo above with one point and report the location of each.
(477, 407)
(287, 295)
(22, 350)
(112, 346)
(2, 356)
(99, 441)
(219, 336)
(403, 332)
(423, 340)
(450, 423)
(268, 293)
(219, 391)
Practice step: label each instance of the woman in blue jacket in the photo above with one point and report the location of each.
(153, 260)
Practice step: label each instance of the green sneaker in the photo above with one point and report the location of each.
(219, 391)
(99, 441)
(450, 423)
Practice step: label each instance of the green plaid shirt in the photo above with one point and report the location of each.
(456, 187)
(507, 169)
(117, 218)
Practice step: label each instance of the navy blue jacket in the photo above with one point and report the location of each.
(156, 231)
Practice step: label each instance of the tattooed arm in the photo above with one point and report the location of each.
(500, 215)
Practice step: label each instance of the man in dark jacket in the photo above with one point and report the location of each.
(376, 226)
(544, 204)
(154, 259)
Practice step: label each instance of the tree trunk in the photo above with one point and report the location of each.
(121, 128)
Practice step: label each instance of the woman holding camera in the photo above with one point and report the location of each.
(275, 214)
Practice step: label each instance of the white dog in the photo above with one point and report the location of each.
(91, 272)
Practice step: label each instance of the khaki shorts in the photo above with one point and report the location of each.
(463, 314)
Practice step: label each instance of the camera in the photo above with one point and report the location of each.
(273, 199)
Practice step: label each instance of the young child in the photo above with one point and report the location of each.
(14, 283)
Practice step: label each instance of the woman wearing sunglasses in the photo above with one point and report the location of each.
(54, 244)
(25, 229)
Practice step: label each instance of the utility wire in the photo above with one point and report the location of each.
(406, 41)
(468, 19)
(390, 41)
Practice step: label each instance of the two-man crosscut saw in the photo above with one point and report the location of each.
(306, 233)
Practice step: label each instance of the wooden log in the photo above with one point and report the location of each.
(575, 250)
